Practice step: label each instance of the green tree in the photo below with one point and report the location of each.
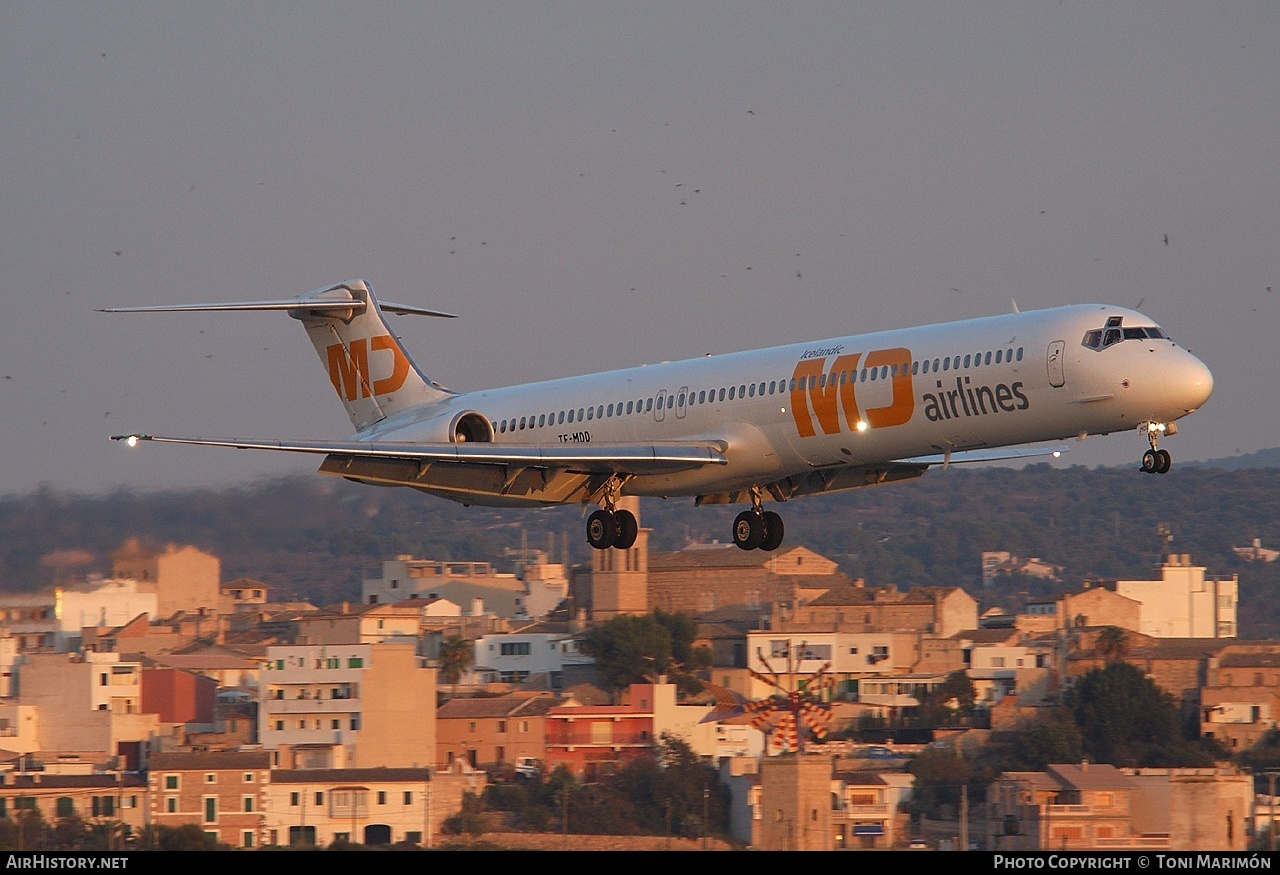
(188, 837)
(940, 776)
(455, 658)
(1126, 720)
(1112, 644)
(628, 649)
(1053, 741)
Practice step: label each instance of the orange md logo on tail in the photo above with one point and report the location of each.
(349, 367)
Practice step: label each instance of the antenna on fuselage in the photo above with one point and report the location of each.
(1015, 305)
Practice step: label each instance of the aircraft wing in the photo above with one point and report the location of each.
(595, 458)
(1000, 454)
(834, 478)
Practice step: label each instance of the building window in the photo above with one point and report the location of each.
(210, 778)
(319, 798)
(382, 797)
(408, 797)
(294, 799)
(248, 777)
(248, 803)
(171, 804)
(246, 839)
(171, 782)
(210, 809)
(355, 662)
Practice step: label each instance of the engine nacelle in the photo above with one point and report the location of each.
(471, 428)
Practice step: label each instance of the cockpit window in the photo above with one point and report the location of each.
(1113, 332)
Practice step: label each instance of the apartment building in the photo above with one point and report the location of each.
(90, 702)
(222, 792)
(1095, 806)
(536, 652)
(348, 705)
(595, 740)
(98, 798)
(487, 732)
(936, 611)
(1240, 700)
(183, 579)
(849, 657)
(475, 586)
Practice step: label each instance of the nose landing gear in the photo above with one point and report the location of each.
(1154, 460)
(757, 528)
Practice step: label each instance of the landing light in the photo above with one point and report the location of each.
(132, 440)
(1057, 454)
(1155, 426)
(862, 425)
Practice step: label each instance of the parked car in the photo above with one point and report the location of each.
(528, 767)
(880, 752)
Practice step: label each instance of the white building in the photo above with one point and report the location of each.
(473, 584)
(515, 657)
(99, 603)
(848, 655)
(1185, 602)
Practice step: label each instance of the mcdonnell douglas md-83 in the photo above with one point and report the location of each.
(770, 424)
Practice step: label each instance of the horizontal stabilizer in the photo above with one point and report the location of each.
(314, 305)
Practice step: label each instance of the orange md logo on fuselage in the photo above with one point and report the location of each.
(823, 395)
(349, 367)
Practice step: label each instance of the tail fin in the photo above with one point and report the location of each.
(369, 368)
(372, 373)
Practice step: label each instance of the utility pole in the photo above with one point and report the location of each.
(1272, 808)
(964, 816)
(706, 799)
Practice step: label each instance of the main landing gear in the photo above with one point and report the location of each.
(757, 528)
(610, 527)
(1156, 461)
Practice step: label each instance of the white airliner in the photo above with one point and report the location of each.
(770, 424)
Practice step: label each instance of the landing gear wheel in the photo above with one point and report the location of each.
(628, 528)
(748, 530)
(772, 531)
(1150, 462)
(602, 529)
(1163, 462)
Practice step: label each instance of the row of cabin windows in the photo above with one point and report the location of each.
(752, 390)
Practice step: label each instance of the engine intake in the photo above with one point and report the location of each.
(471, 428)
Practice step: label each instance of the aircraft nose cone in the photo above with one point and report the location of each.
(1189, 383)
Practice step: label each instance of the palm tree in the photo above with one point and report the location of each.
(455, 658)
(1112, 643)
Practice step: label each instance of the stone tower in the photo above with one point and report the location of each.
(795, 803)
(620, 578)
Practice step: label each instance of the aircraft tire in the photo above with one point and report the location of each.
(1163, 461)
(748, 530)
(773, 530)
(1150, 462)
(628, 528)
(602, 529)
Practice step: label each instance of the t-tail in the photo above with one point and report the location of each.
(367, 365)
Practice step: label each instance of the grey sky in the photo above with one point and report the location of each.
(595, 185)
